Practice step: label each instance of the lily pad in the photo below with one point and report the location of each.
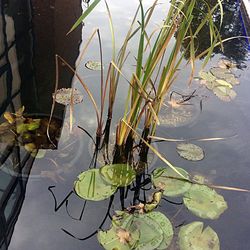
(190, 151)
(207, 76)
(91, 186)
(220, 73)
(93, 65)
(151, 234)
(63, 96)
(169, 181)
(118, 174)
(194, 237)
(224, 93)
(166, 228)
(204, 202)
(119, 239)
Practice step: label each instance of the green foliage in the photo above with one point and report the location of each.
(190, 151)
(119, 175)
(204, 202)
(170, 182)
(91, 186)
(194, 237)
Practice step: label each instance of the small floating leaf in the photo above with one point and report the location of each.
(194, 237)
(169, 181)
(63, 96)
(207, 76)
(224, 93)
(118, 174)
(90, 186)
(224, 83)
(204, 202)
(93, 65)
(166, 228)
(190, 151)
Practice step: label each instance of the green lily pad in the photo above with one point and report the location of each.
(91, 186)
(151, 234)
(63, 96)
(204, 202)
(224, 93)
(118, 174)
(118, 238)
(170, 182)
(194, 237)
(166, 228)
(190, 151)
(93, 65)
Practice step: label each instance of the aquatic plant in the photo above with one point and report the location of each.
(139, 226)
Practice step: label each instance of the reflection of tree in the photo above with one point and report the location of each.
(235, 49)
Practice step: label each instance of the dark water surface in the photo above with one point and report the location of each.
(31, 33)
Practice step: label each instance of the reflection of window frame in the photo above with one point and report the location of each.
(7, 224)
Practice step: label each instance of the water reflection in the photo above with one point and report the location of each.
(30, 36)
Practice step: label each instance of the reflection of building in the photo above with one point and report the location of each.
(29, 39)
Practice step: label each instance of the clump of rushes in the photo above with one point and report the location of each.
(154, 74)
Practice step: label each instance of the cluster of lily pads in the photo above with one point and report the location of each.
(221, 80)
(140, 227)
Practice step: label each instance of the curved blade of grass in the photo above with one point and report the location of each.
(84, 15)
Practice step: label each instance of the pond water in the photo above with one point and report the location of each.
(30, 36)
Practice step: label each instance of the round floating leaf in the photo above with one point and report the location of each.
(204, 202)
(207, 76)
(119, 239)
(193, 237)
(151, 234)
(90, 186)
(169, 181)
(93, 65)
(63, 96)
(224, 93)
(118, 174)
(166, 228)
(190, 151)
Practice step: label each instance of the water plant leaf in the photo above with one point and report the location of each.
(190, 151)
(204, 202)
(117, 238)
(93, 65)
(207, 76)
(170, 182)
(194, 237)
(33, 124)
(220, 73)
(224, 83)
(91, 186)
(224, 93)
(63, 96)
(151, 234)
(118, 174)
(166, 228)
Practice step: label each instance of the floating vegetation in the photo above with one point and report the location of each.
(190, 151)
(194, 237)
(204, 202)
(148, 231)
(170, 182)
(93, 65)
(66, 96)
(119, 175)
(177, 115)
(226, 64)
(91, 186)
(220, 80)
